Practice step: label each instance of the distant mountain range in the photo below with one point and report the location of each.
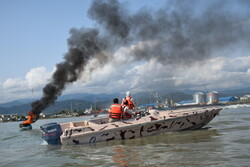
(83, 101)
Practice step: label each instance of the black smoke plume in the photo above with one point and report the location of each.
(180, 32)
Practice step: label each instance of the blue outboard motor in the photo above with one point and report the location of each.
(51, 133)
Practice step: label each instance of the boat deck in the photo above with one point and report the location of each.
(99, 124)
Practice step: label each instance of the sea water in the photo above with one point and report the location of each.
(223, 142)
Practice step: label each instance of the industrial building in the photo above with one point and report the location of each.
(186, 102)
(228, 99)
(245, 97)
(143, 106)
(199, 98)
(212, 97)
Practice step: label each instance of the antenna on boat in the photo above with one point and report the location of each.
(71, 104)
(32, 93)
(95, 103)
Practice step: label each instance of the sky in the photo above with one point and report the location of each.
(34, 38)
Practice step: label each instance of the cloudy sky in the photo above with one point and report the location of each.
(199, 45)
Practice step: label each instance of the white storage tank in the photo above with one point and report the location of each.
(199, 97)
(212, 97)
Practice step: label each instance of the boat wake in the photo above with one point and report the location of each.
(237, 106)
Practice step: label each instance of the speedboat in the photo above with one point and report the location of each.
(148, 123)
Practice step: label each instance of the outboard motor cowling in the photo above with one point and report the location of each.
(51, 133)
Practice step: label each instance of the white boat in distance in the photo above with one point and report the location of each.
(153, 122)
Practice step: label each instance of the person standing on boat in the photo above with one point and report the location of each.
(130, 100)
(115, 111)
(127, 112)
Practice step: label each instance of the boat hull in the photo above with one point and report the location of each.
(98, 130)
(25, 127)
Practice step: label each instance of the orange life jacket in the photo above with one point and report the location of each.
(30, 119)
(115, 111)
(130, 103)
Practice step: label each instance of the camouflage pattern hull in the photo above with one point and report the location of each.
(156, 122)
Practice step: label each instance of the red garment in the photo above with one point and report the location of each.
(130, 103)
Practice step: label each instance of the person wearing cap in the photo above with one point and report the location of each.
(129, 99)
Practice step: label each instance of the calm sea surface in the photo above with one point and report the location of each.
(224, 142)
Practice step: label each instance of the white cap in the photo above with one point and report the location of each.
(128, 94)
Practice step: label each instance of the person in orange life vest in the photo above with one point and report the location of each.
(30, 119)
(115, 111)
(127, 113)
(130, 100)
